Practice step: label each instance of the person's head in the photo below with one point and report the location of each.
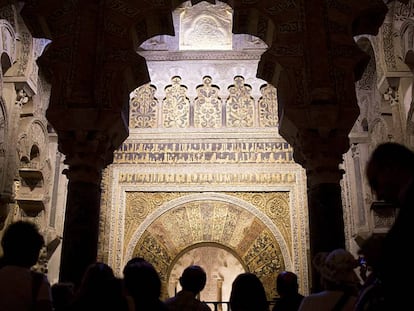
(248, 293)
(62, 294)
(22, 243)
(287, 283)
(100, 289)
(193, 279)
(141, 279)
(336, 269)
(389, 169)
(97, 274)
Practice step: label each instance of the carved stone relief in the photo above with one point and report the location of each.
(239, 105)
(268, 113)
(206, 110)
(176, 105)
(206, 26)
(143, 107)
(207, 105)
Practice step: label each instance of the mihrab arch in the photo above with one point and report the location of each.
(231, 220)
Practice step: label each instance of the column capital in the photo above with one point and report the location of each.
(314, 68)
(87, 153)
(321, 156)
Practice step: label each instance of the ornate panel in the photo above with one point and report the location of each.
(232, 151)
(268, 115)
(239, 105)
(207, 105)
(143, 107)
(176, 105)
(206, 26)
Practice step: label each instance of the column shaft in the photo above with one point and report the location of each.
(80, 235)
(326, 223)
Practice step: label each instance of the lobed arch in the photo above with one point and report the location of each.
(5, 63)
(33, 137)
(160, 22)
(369, 76)
(366, 86)
(8, 35)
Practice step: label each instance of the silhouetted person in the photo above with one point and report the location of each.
(390, 172)
(143, 285)
(339, 281)
(371, 296)
(20, 288)
(99, 290)
(62, 295)
(248, 294)
(287, 287)
(193, 280)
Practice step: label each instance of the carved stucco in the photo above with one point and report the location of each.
(210, 30)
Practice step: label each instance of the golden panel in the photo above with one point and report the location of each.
(204, 221)
(207, 105)
(141, 204)
(275, 205)
(268, 115)
(176, 105)
(239, 105)
(143, 107)
(138, 152)
(155, 252)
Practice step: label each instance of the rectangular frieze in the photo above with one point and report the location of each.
(207, 178)
(215, 152)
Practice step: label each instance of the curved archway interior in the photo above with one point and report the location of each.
(221, 267)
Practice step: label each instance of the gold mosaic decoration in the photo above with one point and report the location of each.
(141, 204)
(274, 205)
(205, 221)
